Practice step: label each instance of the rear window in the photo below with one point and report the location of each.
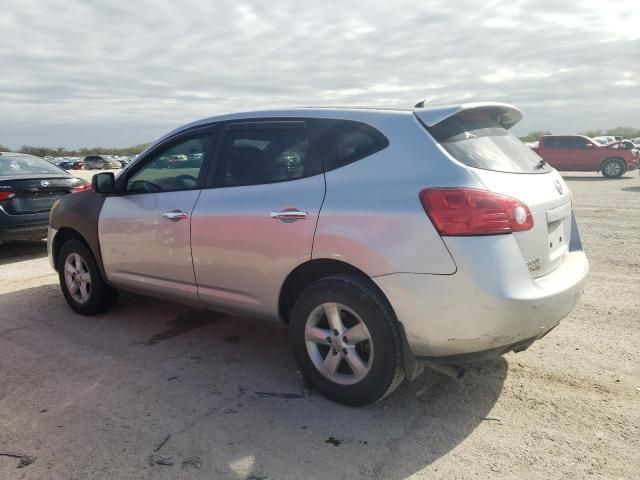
(475, 139)
(26, 165)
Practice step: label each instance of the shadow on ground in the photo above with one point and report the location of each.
(219, 389)
(595, 178)
(631, 189)
(21, 251)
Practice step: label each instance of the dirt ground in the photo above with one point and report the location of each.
(99, 397)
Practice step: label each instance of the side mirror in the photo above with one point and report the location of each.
(588, 145)
(104, 182)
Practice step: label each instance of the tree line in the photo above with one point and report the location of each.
(80, 152)
(624, 132)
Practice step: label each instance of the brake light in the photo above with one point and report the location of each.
(468, 211)
(6, 195)
(82, 188)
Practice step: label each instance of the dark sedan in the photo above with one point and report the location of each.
(29, 186)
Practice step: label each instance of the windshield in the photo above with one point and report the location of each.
(475, 139)
(26, 165)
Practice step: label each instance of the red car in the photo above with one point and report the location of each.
(582, 154)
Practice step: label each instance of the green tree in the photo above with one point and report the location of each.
(534, 136)
(624, 132)
(81, 152)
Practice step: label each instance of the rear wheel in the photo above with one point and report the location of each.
(346, 340)
(80, 280)
(613, 168)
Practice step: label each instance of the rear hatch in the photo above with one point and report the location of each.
(477, 136)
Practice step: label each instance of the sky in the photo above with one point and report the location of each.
(104, 73)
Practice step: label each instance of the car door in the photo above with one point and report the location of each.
(583, 155)
(557, 153)
(144, 231)
(256, 220)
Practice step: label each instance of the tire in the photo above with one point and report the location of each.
(378, 348)
(100, 297)
(613, 168)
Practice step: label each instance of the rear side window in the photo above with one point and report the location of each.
(560, 142)
(476, 140)
(255, 153)
(344, 141)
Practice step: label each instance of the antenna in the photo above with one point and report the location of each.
(420, 104)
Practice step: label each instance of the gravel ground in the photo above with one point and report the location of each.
(159, 390)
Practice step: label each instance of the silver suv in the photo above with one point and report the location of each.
(102, 162)
(383, 240)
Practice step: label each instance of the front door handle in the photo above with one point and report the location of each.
(175, 215)
(292, 214)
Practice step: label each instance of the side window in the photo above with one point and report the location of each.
(265, 152)
(558, 142)
(580, 143)
(174, 168)
(344, 141)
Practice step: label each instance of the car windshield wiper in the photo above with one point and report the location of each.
(540, 164)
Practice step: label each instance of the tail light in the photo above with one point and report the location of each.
(6, 195)
(82, 188)
(468, 211)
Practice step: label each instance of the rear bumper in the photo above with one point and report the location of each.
(23, 227)
(490, 306)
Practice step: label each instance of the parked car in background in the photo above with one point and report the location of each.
(62, 162)
(627, 144)
(358, 229)
(28, 188)
(101, 162)
(582, 154)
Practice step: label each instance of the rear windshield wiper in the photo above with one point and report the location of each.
(540, 164)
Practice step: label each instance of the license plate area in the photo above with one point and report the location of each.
(559, 231)
(557, 236)
(35, 202)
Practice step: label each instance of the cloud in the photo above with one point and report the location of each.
(80, 73)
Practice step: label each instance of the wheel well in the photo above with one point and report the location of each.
(60, 239)
(307, 273)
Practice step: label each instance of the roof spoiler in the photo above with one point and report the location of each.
(503, 113)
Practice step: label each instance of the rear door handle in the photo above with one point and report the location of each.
(289, 215)
(175, 215)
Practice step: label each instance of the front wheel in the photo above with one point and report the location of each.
(80, 280)
(346, 340)
(613, 168)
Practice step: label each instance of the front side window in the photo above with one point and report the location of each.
(254, 154)
(175, 168)
(581, 143)
(477, 140)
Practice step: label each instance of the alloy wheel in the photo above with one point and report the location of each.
(613, 169)
(77, 278)
(339, 343)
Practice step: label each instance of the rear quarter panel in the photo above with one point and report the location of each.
(372, 217)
